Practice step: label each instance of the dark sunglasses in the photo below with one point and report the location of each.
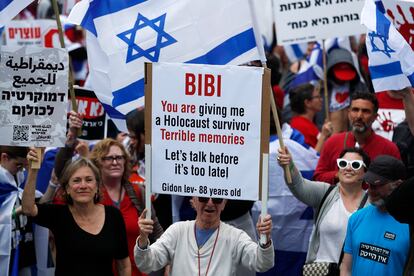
(355, 164)
(206, 199)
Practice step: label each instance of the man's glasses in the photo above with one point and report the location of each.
(355, 164)
(110, 159)
(206, 199)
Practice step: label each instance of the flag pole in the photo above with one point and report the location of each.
(148, 187)
(262, 55)
(265, 191)
(62, 45)
(325, 82)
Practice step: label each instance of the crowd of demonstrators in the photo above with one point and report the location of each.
(210, 244)
(333, 204)
(114, 164)
(376, 244)
(219, 248)
(89, 236)
(306, 101)
(361, 114)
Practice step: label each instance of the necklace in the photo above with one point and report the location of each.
(118, 202)
(212, 252)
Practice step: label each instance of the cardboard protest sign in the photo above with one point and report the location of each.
(93, 114)
(33, 85)
(310, 20)
(208, 127)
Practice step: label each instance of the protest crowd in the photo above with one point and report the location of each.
(333, 161)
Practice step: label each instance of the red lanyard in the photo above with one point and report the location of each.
(212, 252)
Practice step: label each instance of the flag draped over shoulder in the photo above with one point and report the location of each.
(8, 197)
(391, 59)
(10, 8)
(292, 219)
(122, 35)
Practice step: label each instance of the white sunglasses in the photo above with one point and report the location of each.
(355, 164)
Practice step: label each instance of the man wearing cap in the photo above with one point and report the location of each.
(361, 114)
(375, 243)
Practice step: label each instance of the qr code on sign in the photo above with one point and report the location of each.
(20, 133)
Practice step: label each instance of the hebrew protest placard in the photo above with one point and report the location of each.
(33, 86)
(310, 20)
(208, 126)
(92, 112)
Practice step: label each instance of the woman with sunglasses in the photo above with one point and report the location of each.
(333, 205)
(206, 246)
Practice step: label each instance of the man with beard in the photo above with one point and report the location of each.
(375, 243)
(361, 114)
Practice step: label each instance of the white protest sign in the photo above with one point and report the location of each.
(206, 129)
(310, 20)
(33, 87)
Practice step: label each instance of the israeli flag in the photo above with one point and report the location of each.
(391, 59)
(10, 8)
(123, 35)
(338, 42)
(8, 197)
(311, 70)
(292, 219)
(295, 52)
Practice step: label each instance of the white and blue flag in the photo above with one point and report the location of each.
(10, 8)
(122, 35)
(311, 69)
(8, 196)
(391, 59)
(295, 52)
(338, 43)
(292, 219)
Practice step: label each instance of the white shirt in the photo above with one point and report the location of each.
(332, 233)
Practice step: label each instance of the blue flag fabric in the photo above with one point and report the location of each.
(292, 220)
(8, 196)
(295, 52)
(311, 70)
(10, 8)
(122, 35)
(391, 59)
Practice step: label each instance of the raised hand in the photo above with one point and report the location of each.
(146, 226)
(264, 227)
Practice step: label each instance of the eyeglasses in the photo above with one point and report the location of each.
(110, 159)
(355, 164)
(316, 97)
(206, 199)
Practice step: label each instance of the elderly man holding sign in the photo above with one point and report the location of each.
(206, 246)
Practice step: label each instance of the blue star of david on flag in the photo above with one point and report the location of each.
(153, 53)
(387, 49)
